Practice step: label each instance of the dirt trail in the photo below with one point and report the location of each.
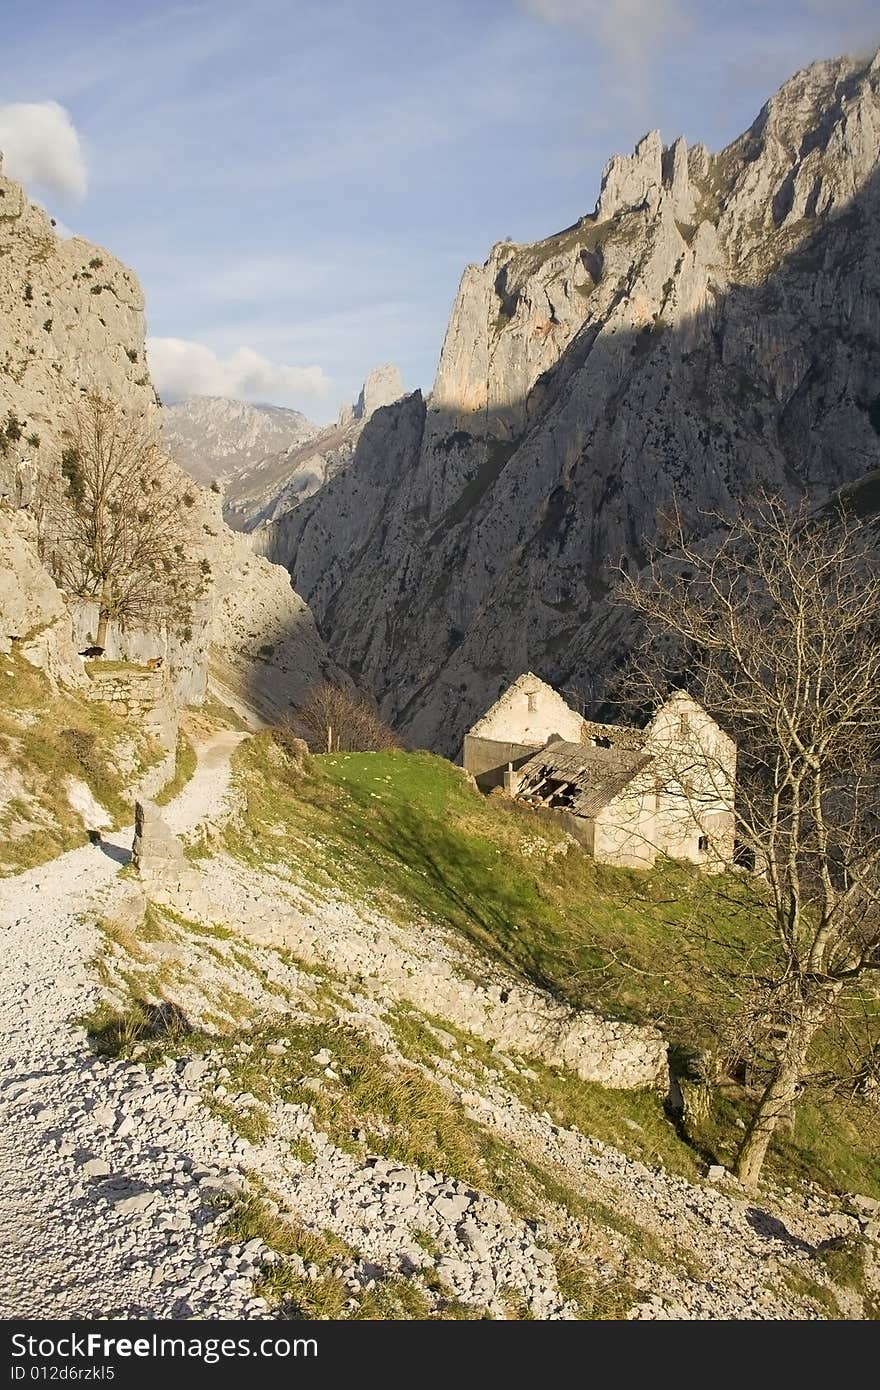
(46, 943)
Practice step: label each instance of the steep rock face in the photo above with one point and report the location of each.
(33, 615)
(712, 329)
(71, 320)
(278, 482)
(212, 437)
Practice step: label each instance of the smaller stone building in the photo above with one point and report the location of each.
(626, 794)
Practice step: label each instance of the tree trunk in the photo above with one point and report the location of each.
(777, 1104)
(105, 612)
(103, 623)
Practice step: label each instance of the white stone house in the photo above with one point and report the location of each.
(626, 794)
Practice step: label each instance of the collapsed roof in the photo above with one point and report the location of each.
(578, 777)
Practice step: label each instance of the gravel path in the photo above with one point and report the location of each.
(57, 1125)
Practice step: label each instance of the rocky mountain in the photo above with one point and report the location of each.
(214, 438)
(712, 328)
(260, 484)
(71, 321)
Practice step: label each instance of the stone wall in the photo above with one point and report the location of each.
(695, 765)
(487, 759)
(625, 831)
(440, 978)
(529, 712)
(144, 700)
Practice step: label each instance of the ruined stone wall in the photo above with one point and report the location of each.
(144, 700)
(486, 759)
(695, 763)
(529, 712)
(626, 829)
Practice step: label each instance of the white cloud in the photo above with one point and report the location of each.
(41, 146)
(181, 368)
(630, 29)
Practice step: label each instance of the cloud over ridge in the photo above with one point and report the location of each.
(628, 28)
(41, 147)
(182, 368)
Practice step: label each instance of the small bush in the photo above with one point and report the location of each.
(335, 719)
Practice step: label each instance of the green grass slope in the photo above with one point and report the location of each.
(405, 832)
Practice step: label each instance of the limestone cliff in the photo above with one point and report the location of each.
(712, 328)
(71, 320)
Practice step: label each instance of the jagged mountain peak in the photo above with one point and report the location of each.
(269, 459)
(382, 386)
(713, 327)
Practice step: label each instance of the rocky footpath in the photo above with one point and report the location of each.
(124, 1180)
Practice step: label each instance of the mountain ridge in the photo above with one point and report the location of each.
(711, 329)
(72, 321)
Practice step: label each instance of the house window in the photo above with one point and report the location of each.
(533, 701)
(658, 792)
(703, 844)
(683, 725)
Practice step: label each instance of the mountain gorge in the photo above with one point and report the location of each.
(710, 330)
(313, 1030)
(264, 459)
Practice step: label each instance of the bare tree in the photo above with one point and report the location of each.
(333, 719)
(114, 528)
(777, 628)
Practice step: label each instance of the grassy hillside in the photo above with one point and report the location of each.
(405, 832)
(48, 736)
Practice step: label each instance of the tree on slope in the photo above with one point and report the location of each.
(115, 528)
(334, 718)
(778, 629)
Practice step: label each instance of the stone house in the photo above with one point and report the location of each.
(626, 794)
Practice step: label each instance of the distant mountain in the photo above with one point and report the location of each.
(242, 446)
(212, 437)
(711, 329)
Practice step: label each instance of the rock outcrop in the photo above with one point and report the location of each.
(712, 329)
(156, 850)
(33, 614)
(383, 386)
(71, 321)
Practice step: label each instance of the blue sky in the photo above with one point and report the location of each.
(299, 183)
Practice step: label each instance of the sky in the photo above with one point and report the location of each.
(300, 183)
